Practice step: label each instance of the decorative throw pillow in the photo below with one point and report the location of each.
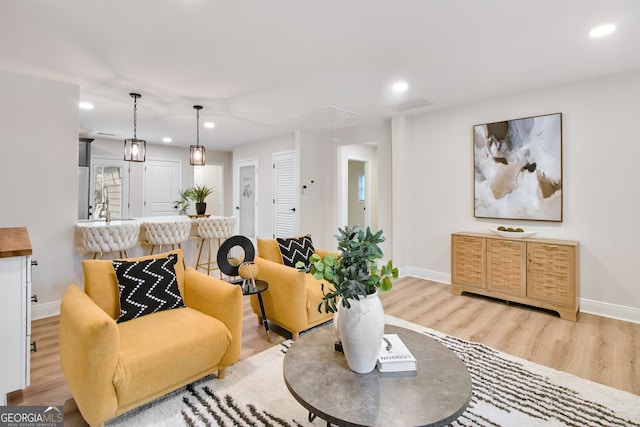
(296, 249)
(147, 286)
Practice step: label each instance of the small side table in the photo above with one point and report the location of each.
(258, 289)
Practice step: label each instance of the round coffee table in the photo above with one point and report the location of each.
(320, 380)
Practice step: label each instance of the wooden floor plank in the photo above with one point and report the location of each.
(596, 348)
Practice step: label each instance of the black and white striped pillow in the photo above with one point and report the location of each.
(147, 286)
(296, 249)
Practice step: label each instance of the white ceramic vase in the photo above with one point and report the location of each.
(361, 328)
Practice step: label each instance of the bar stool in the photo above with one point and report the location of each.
(169, 232)
(111, 237)
(218, 228)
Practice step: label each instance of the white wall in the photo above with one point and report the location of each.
(38, 171)
(433, 184)
(110, 148)
(317, 156)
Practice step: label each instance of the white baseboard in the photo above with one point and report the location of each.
(44, 310)
(604, 309)
(614, 311)
(420, 273)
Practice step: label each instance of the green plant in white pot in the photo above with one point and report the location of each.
(356, 280)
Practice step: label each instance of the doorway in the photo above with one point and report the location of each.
(211, 175)
(357, 187)
(246, 197)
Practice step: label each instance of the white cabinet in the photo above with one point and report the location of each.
(15, 310)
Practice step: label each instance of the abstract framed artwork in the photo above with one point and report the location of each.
(518, 169)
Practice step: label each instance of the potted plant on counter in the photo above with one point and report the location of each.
(353, 296)
(183, 203)
(198, 194)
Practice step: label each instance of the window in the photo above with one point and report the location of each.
(109, 179)
(361, 188)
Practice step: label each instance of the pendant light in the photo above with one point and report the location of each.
(197, 157)
(135, 150)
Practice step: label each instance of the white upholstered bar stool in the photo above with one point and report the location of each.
(110, 237)
(167, 232)
(217, 228)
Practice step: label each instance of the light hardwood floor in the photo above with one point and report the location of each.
(596, 348)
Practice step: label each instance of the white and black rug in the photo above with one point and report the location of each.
(507, 391)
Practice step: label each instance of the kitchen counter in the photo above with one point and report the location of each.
(14, 242)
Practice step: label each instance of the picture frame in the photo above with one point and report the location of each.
(518, 169)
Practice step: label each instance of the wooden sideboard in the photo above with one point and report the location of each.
(537, 272)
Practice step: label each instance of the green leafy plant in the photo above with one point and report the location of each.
(199, 193)
(354, 272)
(183, 201)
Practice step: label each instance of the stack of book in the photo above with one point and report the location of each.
(394, 355)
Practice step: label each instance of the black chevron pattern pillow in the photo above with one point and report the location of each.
(296, 249)
(147, 286)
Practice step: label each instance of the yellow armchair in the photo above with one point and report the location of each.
(113, 367)
(292, 299)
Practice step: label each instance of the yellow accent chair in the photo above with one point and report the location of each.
(292, 299)
(113, 367)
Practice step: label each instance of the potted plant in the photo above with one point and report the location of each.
(198, 194)
(355, 280)
(183, 203)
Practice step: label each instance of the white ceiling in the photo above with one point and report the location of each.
(264, 68)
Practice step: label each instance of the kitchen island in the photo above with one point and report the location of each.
(134, 232)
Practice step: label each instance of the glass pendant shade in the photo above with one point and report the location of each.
(135, 150)
(197, 153)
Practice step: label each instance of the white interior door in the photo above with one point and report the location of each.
(246, 178)
(285, 180)
(162, 180)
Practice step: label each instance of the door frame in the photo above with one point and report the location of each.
(343, 187)
(236, 191)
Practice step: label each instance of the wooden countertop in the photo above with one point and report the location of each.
(14, 242)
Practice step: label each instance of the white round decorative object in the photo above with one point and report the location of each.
(361, 329)
(513, 234)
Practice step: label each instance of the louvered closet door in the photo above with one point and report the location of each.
(285, 214)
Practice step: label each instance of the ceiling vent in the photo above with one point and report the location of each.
(322, 117)
(410, 104)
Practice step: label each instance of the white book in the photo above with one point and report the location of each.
(394, 356)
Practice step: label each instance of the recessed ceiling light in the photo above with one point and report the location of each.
(209, 125)
(85, 105)
(400, 86)
(602, 30)
(166, 139)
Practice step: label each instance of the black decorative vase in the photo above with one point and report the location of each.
(201, 208)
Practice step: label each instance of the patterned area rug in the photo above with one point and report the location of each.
(507, 391)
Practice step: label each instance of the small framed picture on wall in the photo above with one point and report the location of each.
(518, 169)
